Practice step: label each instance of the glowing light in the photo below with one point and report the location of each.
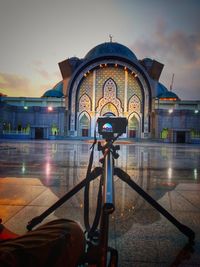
(25, 107)
(101, 66)
(107, 127)
(48, 169)
(85, 75)
(23, 167)
(195, 174)
(196, 111)
(50, 108)
(168, 99)
(125, 68)
(169, 172)
(116, 65)
(136, 75)
(170, 111)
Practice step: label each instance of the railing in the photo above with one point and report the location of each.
(16, 132)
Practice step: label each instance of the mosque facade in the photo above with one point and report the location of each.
(108, 81)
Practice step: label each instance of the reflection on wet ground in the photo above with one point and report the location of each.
(33, 175)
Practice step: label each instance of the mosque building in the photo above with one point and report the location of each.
(109, 81)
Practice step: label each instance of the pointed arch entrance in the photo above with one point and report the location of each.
(134, 126)
(84, 125)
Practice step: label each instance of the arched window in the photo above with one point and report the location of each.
(84, 103)
(134, 104)
(109, 90)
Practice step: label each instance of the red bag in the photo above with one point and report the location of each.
(59, 243)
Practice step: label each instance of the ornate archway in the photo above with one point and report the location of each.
(109, 108)
(134, 126)
(109, 99)
(84, 124)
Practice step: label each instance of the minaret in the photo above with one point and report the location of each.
(171, 85)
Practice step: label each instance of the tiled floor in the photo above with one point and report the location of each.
(34, 174)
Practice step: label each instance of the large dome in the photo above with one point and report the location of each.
(53, 93)
(111, 48)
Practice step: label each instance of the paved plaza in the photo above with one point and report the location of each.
(35, 174)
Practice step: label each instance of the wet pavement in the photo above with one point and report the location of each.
(35, 174)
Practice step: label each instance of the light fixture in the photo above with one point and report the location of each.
(195, 174)
(50, 108)
(170, 111)
(196, 111)
(25, 107)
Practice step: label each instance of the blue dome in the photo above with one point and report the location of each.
(110, 49)
(59, 87)
(53, 93)
(160, 89)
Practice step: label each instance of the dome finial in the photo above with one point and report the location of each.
(111, 37)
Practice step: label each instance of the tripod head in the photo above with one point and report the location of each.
(111, 128)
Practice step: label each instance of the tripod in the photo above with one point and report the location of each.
(97, 235)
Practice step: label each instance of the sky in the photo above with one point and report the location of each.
(36, 35)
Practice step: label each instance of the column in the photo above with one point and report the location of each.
(94, 91)
(125, 90)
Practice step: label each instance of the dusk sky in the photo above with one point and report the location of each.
(36, 35)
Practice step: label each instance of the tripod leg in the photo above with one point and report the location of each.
(183, 228)
(113, 257)
(38, 219)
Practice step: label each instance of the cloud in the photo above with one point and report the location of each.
(15, 85)
(38, 68)
(180, 53)
(175, 44)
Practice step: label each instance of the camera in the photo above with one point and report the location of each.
(108, 126)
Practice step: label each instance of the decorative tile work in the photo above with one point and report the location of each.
(133, 87)
(134, 104)
(109, 108)
(124, 86)
(109, 96)
(84, 103)
(86, 85)
(103, 74)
